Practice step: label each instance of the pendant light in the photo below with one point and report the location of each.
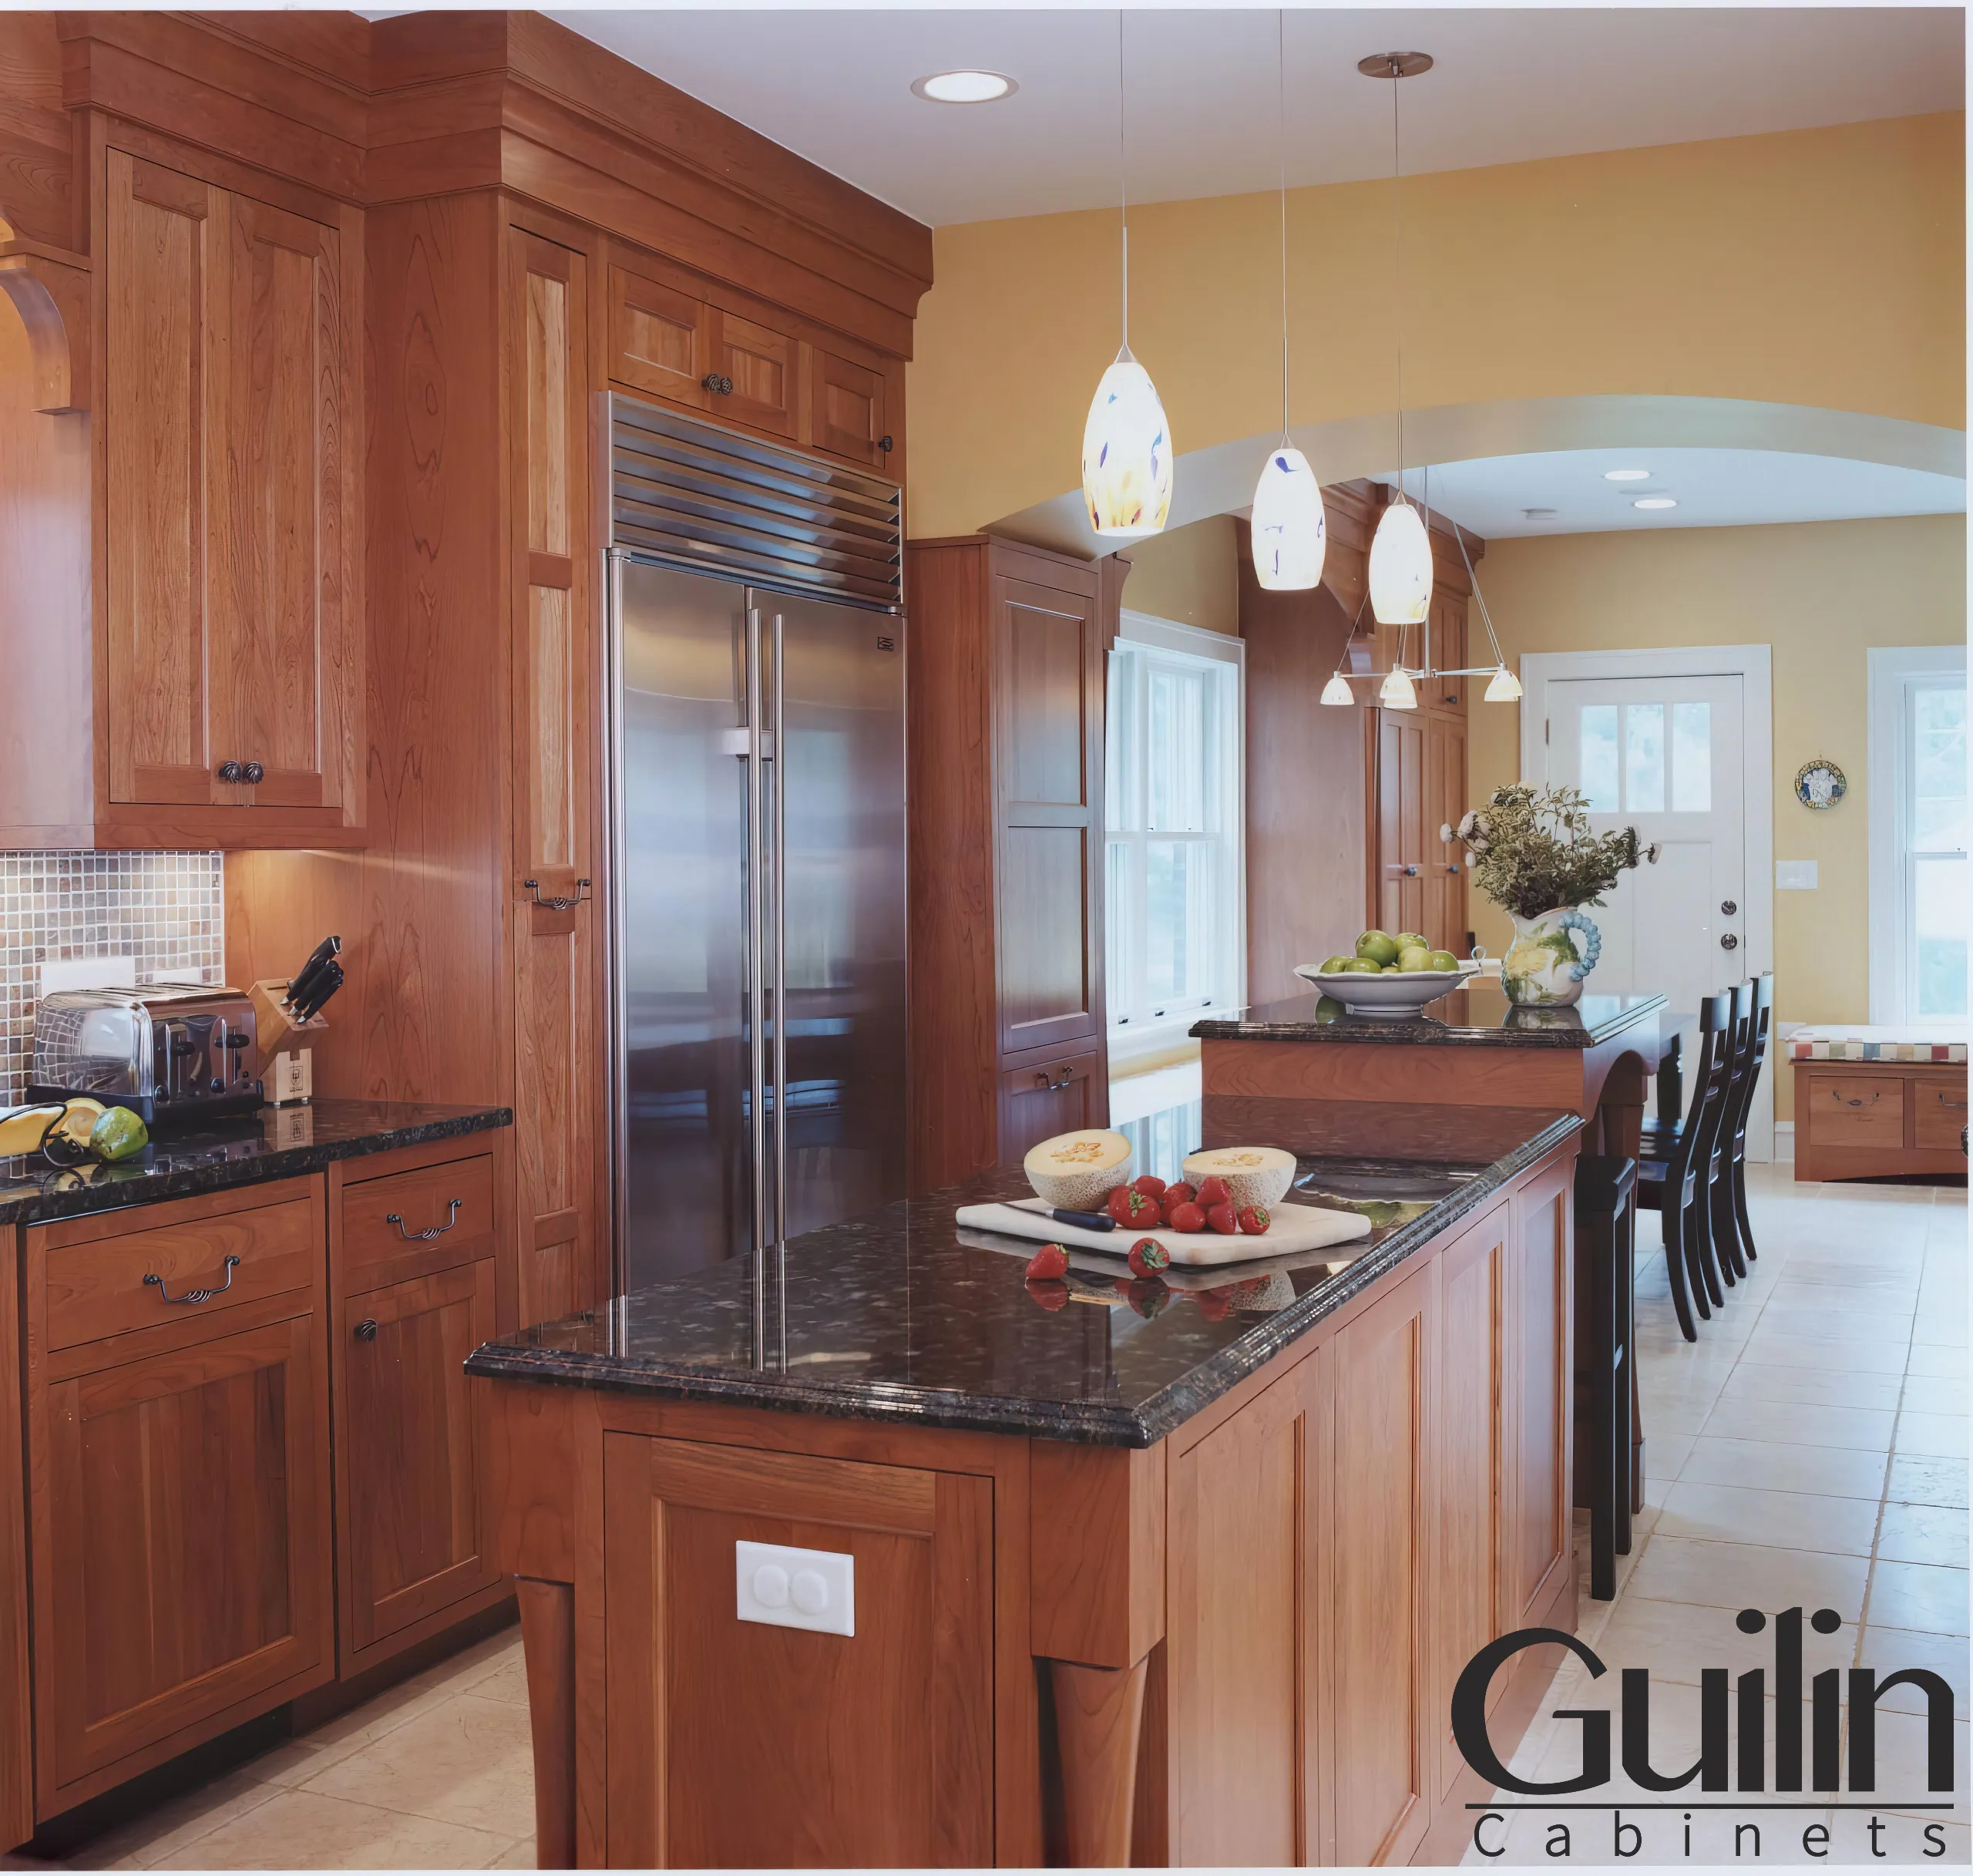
(1288, 528)
(1397, 692)
(1401, 571)
(1126, 442)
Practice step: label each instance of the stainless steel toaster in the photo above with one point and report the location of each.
(178, 1053)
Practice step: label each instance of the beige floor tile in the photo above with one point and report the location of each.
(159, 1833)
(1914, 1480)
(1886, 1650)
(1771, 1468)
(1940, 1328)
(507, 1681)
(1675, 1640)
(466, 1761)
(1800, 1423)
(1932, 1436)
(301, 1758)
(1781, 1318)
(1676, 1412)
(519, 1855)
(1934, 1393)
(1902, 1749)
(1792, 1520)
(306, 1830)
(1850, 1354)
(1928, 1358)
(1750, 1575)
(1754, 1381)
(1665, 1454)
(1923, 1533)
(1918, 1595)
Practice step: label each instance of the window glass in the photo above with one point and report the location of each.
(1940, 910)
(1599, 757)
(1692, 758)
(1938, 769)
(1175, 749)
(1644, 759)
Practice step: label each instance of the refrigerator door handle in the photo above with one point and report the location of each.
(620, 1055)
(780, 837)
(756, 989)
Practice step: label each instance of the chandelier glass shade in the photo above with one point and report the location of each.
(1398, 692)
(1400, 567)
(1337, 690)
(1127, 452)
(1503, 687)
(1289, 526)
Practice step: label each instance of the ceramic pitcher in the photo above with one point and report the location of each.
(1549, 957)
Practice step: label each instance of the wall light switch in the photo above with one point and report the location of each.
(1795, 875)
(792, 1588)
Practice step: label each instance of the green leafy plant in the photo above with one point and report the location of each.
(1533, 850)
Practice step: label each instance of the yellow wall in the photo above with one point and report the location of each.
(1821, 593)
(1821, 267)
(1189, 574)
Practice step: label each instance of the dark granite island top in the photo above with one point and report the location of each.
(277, 1143)
(1479, 1015)
(903, 1317)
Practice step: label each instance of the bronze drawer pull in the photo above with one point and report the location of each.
(1044, 1078)
(430, 1231)
(1843, 1100)
(194, 1295)
(1958, 1107)
(557, 905)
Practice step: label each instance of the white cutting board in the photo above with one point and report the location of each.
(1294, 1229)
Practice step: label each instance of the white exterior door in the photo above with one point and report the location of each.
(1663, 755)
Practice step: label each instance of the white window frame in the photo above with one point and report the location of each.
(1132, 1033)
(1895, 673)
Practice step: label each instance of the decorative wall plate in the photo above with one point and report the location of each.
(1821, 783)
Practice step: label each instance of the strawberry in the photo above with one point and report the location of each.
(1187, 1217)
(1148, 1297)
(1148, 1257)
(1118, 1204)
(1221, 1218)
(1255, 1220)
(1051, 1295)
(1150, 1185)
(1214, 1304)
(1179, 1195)
(1213, 1191)
(1050, 1262)
(1139, 1210)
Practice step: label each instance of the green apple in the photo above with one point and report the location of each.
(1412, 941)
(1331, 965)
(1414, 957)
(1442, 961)
(1362, 966)
(1379, 947)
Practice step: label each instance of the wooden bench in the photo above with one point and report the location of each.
(1871, 1102)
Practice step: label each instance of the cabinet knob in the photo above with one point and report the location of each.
(366, 1330)
(719, 385)
(253, 773)
(229, 771)
(886, 444)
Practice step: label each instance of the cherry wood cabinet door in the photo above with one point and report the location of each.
(1062, 1094)
(1538, 1563)
(411, 1443)
(558, 1029)
(1398, 866)
(1048, 729)
(660, 340)
(1444, 861)
(181, 1548)
(763, 367)
(883, 1740)
(847, 413)
(167, 253)
(1448, 618)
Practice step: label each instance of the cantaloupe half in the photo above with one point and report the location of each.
(1256, 1175)
(1078, 1171)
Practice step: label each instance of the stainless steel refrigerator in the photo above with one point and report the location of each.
(758, 837)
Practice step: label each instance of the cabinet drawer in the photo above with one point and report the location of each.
(1858, 1109)
(103, 1287)
(1058, 1095)
(1939, 1105)
(451, 1204)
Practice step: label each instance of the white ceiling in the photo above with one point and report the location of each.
(1713, 488)
(1509, 85)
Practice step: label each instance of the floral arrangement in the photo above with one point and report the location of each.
(1532, 850)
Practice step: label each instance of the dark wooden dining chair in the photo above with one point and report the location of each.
(1730, 1209)
(1672, 1177)
(1722, 1229)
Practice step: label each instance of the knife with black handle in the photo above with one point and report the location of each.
(1087, 1221)
(327, 981)
(303, 983)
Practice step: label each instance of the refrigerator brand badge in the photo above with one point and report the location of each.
(885, 643)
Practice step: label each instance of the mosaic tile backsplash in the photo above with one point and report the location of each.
(165, 910)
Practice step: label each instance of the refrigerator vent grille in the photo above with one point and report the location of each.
(693, 495)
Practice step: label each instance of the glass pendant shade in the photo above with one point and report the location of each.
(1127, 452)
(1337, 690)
(1503, 687)
(1400, 567)
(1398, 692)
(1289, 526)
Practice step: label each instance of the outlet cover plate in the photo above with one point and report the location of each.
(1795, 875)
(789, 1588)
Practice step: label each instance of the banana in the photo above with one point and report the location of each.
(23, 1129)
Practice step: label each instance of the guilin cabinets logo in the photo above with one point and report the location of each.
(1734, 1756)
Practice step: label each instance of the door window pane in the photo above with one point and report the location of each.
(1177, 945)
(1692, 758)
(1644, 759)
(1940, 917)
(1599, 757)
(1938, 764)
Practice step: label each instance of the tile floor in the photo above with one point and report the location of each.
(1810, 1447)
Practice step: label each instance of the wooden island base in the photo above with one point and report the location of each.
(1237, 1645)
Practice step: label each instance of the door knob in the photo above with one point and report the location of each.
(1729, 942)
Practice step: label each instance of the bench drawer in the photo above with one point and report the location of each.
(1939, 1105)
(99, 1288)
(1856, 1110)
(384, 1218)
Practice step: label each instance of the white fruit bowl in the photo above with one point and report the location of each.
(1394, 994)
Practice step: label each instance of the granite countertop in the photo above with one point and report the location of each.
(277, 1143)
(903, 1317)
(1481, 1014)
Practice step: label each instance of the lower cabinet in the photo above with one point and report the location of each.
(1063, 1093)
(179, 1480)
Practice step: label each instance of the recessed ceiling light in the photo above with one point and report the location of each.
(1539, 514)
(965, 87)
(1626, 475)
(1655, 501)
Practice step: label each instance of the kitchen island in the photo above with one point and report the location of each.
(1161, 1571)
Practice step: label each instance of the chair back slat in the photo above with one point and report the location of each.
(1757, 994)
(1711, 1080)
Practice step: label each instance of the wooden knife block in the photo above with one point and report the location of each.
(274, 1026)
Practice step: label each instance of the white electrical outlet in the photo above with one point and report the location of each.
(1795, 875)
(792, 1588)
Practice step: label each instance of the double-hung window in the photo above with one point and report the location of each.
(1175, 895)
(1919, 896)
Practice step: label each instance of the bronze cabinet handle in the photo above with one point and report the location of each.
(430, 1231)
(194, 1295)
(558, 905)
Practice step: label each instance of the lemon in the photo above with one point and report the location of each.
(1379, 947)
(118, 1135)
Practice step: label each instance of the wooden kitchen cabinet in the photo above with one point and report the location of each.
(1537, 1561)
(1059, 1094)
(178, 1480)
(1006, 714)
(847, 418)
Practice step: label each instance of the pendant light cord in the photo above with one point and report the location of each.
(1124, 176)
(1473, 580)
(1397, 259)
(1281, 154)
